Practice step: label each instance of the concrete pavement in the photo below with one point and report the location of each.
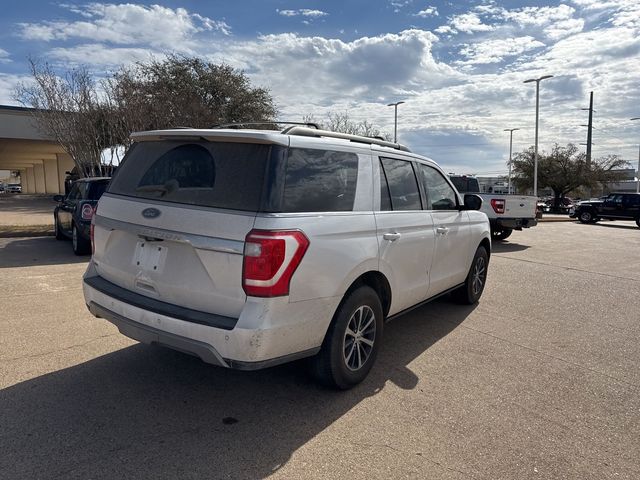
(540, 380)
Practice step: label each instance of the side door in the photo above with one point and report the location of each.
(406, 238)
(612, 206)
(632, 205)
(453, 252)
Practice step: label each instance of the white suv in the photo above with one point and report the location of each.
(250, 248)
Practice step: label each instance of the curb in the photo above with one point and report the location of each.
(13, 231)
(557, 219)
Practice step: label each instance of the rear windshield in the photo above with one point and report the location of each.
(222, 175)
(465, 184)
(97, 189)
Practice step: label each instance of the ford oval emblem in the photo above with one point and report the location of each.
(150, 213)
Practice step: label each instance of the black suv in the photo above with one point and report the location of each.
(72, 217)
(616, 206)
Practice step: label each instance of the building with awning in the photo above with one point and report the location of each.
(41, 161)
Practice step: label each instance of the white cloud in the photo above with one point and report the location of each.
(304, 12)
(538, 16)
(4, 56)
(128, 24)
(444, 29)
(8, 84)
(428, 12)
(564, 28)
(496, 50)
(100, 56)
(469, 23)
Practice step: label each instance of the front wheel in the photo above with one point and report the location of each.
(56, 228)
(501, 234)
(586, 217)
(352, 342)
(471, 291)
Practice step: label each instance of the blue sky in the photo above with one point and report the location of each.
(459, 66)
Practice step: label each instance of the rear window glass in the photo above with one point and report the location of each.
(223, 175)
(97, 189)
(320, 181)
(465, 184)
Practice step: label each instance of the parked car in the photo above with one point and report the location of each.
(572, 209)
(506, 212)
(616, 206)
(2, 189)
(14, 188)
(251, 248)
(72, 217)
(565, 205)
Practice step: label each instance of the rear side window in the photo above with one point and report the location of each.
(211, 174)
(403, 186)
(319, 181)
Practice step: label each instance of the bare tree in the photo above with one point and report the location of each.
(341, 122)
(67, 109)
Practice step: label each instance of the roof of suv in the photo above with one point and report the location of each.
(260, 136)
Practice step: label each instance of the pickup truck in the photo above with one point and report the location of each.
(506, 212)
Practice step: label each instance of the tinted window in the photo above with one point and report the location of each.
(385, 196)
(97, 189)
(75, 193)
(465, 184)
(224, 175)
(402, 184)
(320, 181)
(440, 195)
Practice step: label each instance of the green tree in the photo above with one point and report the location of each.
(564, 169)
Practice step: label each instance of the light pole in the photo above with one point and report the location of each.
(510, 130)
(395, 122)
(535, 161)
(638, 174)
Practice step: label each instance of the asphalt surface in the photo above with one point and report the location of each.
(540, 380)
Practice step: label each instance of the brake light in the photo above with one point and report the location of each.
(87, 211)
(497, 205)
(271, 258)
(91, 228)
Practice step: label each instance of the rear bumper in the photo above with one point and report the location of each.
(514, 223)
(267, 333)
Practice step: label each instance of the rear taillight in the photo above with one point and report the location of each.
(91, 228)
(270, 259)
(87, 211)
(497, 205)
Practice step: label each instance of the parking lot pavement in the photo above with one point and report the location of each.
(540, 380)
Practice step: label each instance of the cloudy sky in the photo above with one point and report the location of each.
(459, 66)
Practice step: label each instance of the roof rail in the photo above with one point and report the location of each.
(309, 132)
(242, 124)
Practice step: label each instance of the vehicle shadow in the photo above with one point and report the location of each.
(155, 413)
(26, 252)
(507, 247)
(628, 226)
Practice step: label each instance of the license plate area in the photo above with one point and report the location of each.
(150, 256)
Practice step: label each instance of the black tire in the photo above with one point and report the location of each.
(471, 291)
(81, 246)
(502, 234)
(340, 362)
(638, 221)
(56, 227)
(586, 216)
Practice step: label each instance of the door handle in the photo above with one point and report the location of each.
(392, 237)
(442, 230)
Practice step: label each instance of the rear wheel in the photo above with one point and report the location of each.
(81, 246)
(501, 234)
(351, 345)
(471, 291)
(56, 228)
(638, 221)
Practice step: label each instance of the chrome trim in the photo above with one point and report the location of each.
(200, 242)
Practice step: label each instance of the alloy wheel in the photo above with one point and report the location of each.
(479, 276)
(359, 338)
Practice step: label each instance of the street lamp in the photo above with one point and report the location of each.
(395, 122)
(510, 130)
(638, 174)
(535, 161)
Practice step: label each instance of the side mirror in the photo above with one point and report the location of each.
(472, 201)
(58, 198)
